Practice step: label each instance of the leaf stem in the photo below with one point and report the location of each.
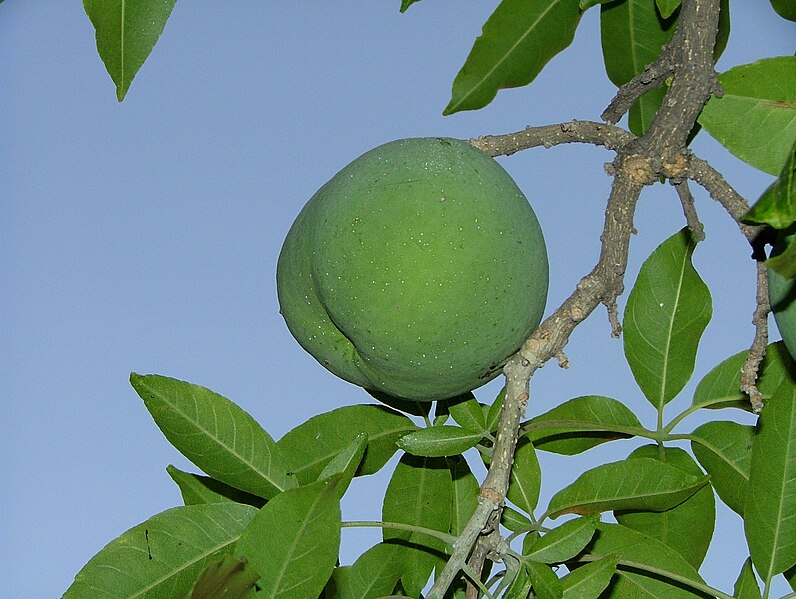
(446, 538)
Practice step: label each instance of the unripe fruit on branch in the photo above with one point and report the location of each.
(416, 271)
(782, 296)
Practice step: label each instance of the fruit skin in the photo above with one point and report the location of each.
(782, 295)
(416, 271)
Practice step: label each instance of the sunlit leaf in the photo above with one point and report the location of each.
(563, 542)
(126, 32)
(633, 484)
(469, 414)
(311, 445)
(580, 424)
(755, 119)
(545, 583)
(630, 545)
(346, 463)
(688, 526)
(589, 580)
(666, 8)
(439, 441)
(163, 556)
(196, 489)
(633, 33)
(724, 450)
(721, 387)
(215, 434)
(666, 313)
(294, 540)
(770, 509)
(516, 42)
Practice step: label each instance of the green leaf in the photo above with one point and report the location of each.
(687, 527)
(311, 445)
(469, 414)
(777, 205)
(564, 542)
(580, 424)
(126, 32)
(724, 450)
(526, 477)
(770, 509)
(666, 8)
(589, 580)
(215, 434)
(196, 489)
(163, 556)
(631, 546)
(755, 119)
(782, 269)
(516, 42)
(374, 574)
(785, 9)
(514, 520)
(420, 494)
(546, 584)
(746, 586)
(721, 387)
(465, 491)
(346, 463)
(439, 441)
(406, 4)
(633, 33)
(666, 313)
(633, 484)
(226, 578)
(493, 413)
(293, 541)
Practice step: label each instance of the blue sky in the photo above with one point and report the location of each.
(143, 237)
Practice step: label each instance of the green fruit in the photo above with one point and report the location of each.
(416, 271)
(782, 296)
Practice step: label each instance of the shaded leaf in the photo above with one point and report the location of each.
(227, 578)
(126, 32)
(632, 34)
(465, 491)
(163, 556)
(374, 574)
(785, 9)
(514, 520)
(782, 269)
(755, 119)
(419, 493)
(721, 387)
(666, 313)
(632, 546)
(770, 508)
(516, 42)
(666, 8)
(439, 441)
(688, 526)
(345, 464)
(196, 489)
(724, 450)
(293, 541)
(493, 413)
(589, 580)
(633, 484)
(746, 586)
(311, 445)
(546, 584)
(564, 542)
(526, 477)
(215, 434)
(777, 205)
(580, 424)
